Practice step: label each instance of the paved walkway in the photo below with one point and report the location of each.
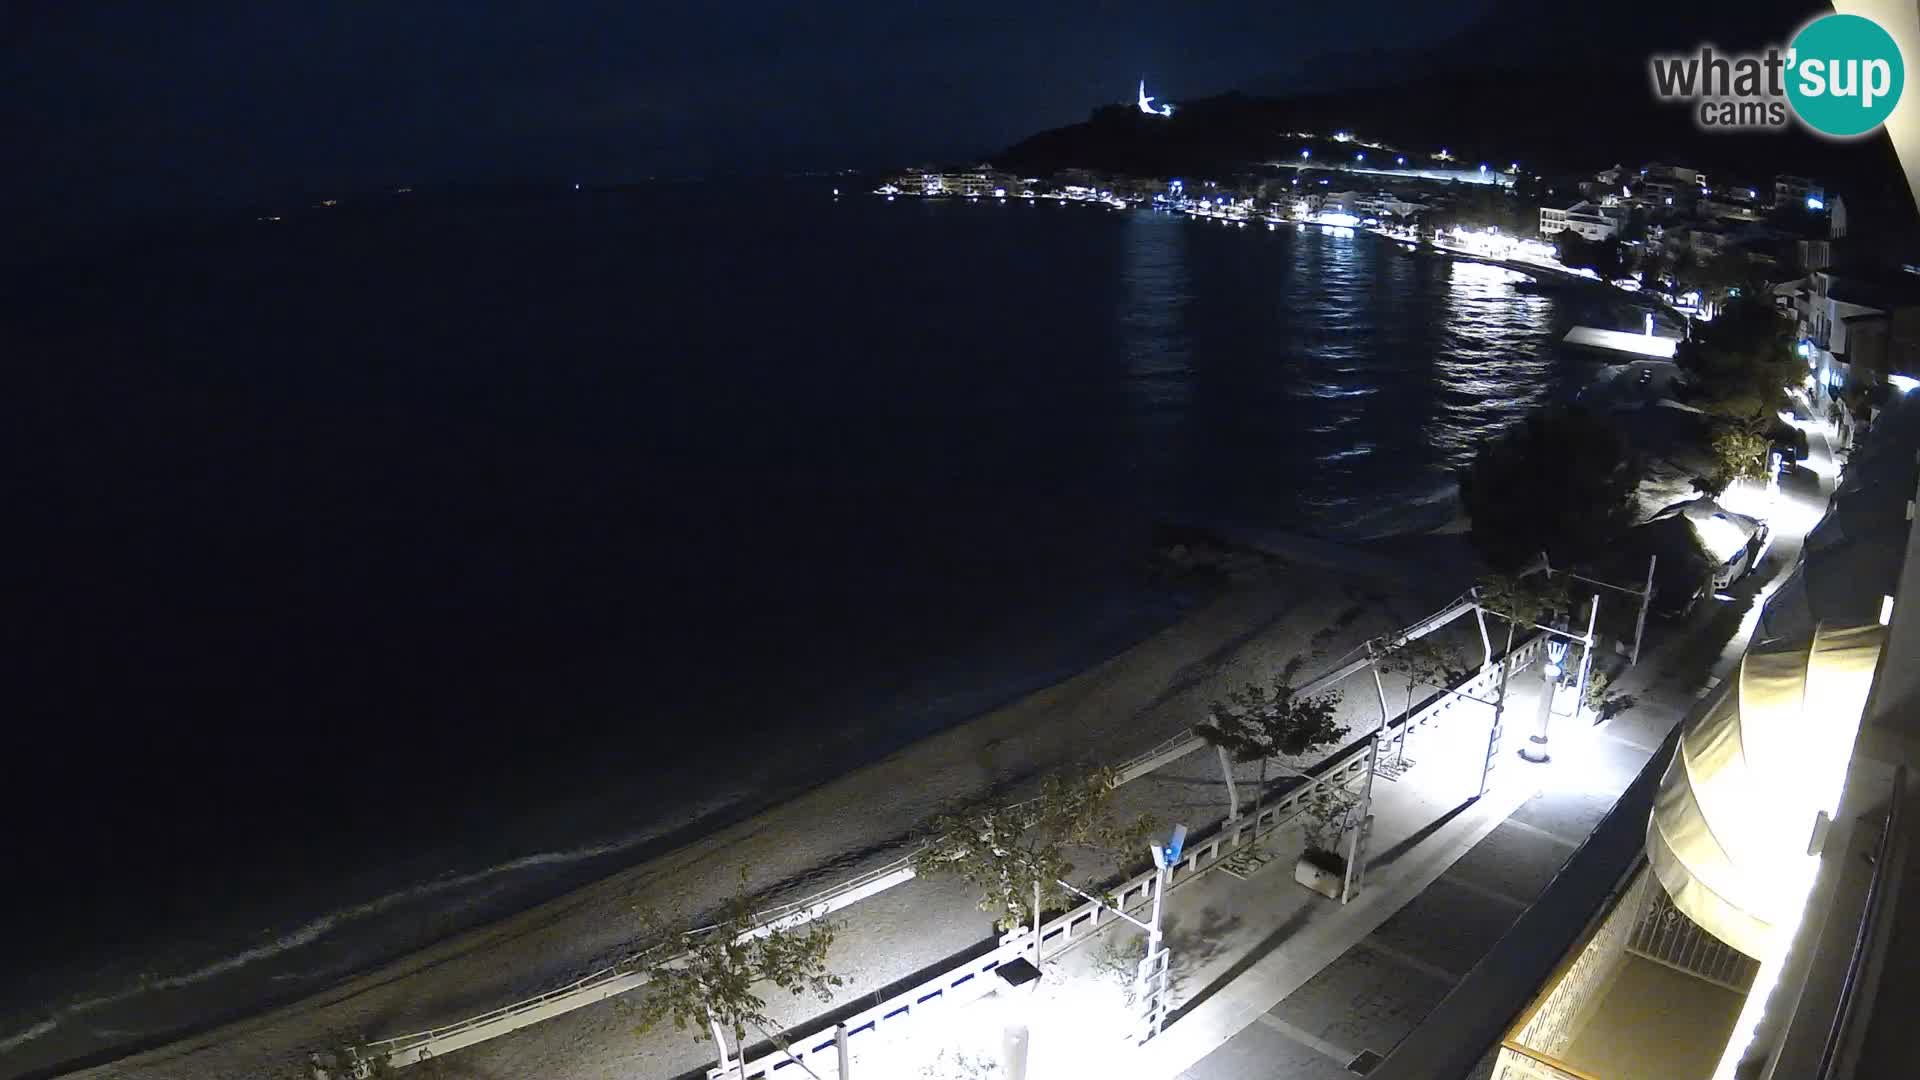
(1344, 991)
(1273, 981)
(1241, 944)
(1350, 983)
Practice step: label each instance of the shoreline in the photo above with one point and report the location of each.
(789, 842)
(604, 863)
(1418, 245)
(688, 833)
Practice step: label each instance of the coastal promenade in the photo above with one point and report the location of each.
(1273, 981)
(1277, 936)
(863, 819)
(1332, 995)
(1341, 990)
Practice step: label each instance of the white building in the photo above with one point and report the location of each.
(967, 183)
(1341, 202)
(1737, 209)
(1678, 175)
(1667, 193)
(1584, 218)
(1797, 189)
(1382, 205)
(972, 182)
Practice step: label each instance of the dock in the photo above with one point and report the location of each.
(1648, 345)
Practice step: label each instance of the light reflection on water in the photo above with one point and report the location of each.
(903, 479)
(1486, 376)
(1155, 292)
(1324, 381)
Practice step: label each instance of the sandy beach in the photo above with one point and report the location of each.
(863, 818)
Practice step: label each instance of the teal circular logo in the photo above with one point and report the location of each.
(1846, 75)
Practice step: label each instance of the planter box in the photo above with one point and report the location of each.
(1318, 878)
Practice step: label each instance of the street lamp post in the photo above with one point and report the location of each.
(1536, 748)
(1150, 981)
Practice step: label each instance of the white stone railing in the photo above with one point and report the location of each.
(630, 974)
(819, 1049)
(819, 1052)
(1347, 767)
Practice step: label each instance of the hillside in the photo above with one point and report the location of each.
(1570, 94)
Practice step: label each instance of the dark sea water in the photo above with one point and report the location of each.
(398, 559)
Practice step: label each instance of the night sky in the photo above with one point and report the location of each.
(218, 103)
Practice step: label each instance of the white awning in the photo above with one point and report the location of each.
(1737, 805)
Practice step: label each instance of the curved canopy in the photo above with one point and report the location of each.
(1842, 583)
(1737, 805)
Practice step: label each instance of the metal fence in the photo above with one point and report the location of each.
(1664, 935)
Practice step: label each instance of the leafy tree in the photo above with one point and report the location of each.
(1326, 812)
(1260, 722)
(1716, 277)
(1653, 268)
(1520, 600)
(1561, 481)
(1423, 661)
(1742, 361)
(1633, 230)
(1603, 700)
(1008, 850)
(1608, 257)
(711, 980)
(1523, 599)
(1740, 453)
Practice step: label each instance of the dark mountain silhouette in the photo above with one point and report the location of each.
(1562, 89)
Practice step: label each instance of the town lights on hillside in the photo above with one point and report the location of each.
(1492, 244)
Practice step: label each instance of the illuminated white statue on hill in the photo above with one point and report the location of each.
(1147, 106)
